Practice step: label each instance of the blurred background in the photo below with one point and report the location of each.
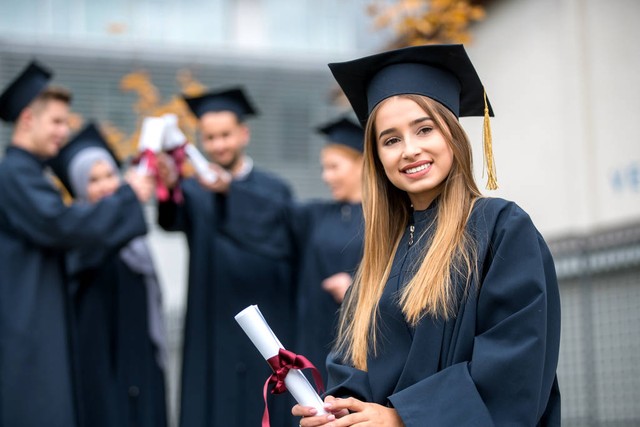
(563, 77)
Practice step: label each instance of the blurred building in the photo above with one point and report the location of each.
(564, 80)
(563, 77)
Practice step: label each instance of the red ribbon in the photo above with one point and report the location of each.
(179, 156)
(281, 364)
(162, 192)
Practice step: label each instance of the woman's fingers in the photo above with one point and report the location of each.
(303, 411)
(350, 403)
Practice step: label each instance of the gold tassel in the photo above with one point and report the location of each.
(492, 179)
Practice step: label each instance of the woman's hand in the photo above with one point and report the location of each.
(142, 185)
(167, 171)
(309, 417)
(349, 412)
(337, 285)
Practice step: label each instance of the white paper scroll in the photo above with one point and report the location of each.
(173, 136)
(261, 335)
(200, 163)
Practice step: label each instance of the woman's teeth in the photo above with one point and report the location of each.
(418, 168)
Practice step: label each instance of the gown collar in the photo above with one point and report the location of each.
(426, 214)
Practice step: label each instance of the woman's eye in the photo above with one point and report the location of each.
(424, 130)
(390, 141)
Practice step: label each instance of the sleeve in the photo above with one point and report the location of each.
(38, 213)
(510, 376)
(347, 381)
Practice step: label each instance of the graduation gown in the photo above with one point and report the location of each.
(329, 237)
(121, 382)
(223, 373)
(36, 385)
(494, 364)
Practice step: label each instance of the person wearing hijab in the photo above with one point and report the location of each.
(36, 230)
(120, 330)
(453, 318)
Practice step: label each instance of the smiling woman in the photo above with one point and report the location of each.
(455, 303)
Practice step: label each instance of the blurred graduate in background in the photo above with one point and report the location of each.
(120, 330)
(329, 239)
(222, 373)
(36, 230)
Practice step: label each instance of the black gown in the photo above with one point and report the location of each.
(223, 373)
(36, 375)
(329, 237)
(121, 382)
(494, 364)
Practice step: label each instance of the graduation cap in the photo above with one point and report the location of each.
(88, 137)
(24, 89)
(443, 73)
(346, 132)
(233, 100)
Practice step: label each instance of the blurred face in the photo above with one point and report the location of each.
(415, 155)
(48, 127)
(224, 138)
(342, 172)
(103, 181)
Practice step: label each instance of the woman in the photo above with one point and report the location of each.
(454, 315)
(119, 329)
(329, 235)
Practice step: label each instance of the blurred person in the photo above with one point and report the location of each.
(119, 324)
(453, 318)
(325, 240)
(222, 373)
(36, 229)
(329, 240)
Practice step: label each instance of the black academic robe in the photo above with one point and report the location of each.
(329, 239)
(494, 364)
(121, 382)
(223, 373)
(36, 380)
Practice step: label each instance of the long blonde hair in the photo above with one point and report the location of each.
(386, 212)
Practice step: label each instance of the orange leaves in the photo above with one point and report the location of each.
(418, 22)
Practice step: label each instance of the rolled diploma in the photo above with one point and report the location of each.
(200, 163)
(261, 335)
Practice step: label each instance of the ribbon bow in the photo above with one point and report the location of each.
(281, 364)
(151, 161)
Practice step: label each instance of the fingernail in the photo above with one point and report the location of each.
(328, 406)
(313, 411)
(331, 417)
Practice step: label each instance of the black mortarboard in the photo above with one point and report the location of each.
(345, 132)
(233, 100)
(24, 89)
(89, 136)
(441, 72)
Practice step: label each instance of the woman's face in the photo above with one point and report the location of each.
(342, 173)
(414, 153)
(103, 181)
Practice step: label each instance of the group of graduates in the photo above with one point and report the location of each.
(83, 337)
(420, 301)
